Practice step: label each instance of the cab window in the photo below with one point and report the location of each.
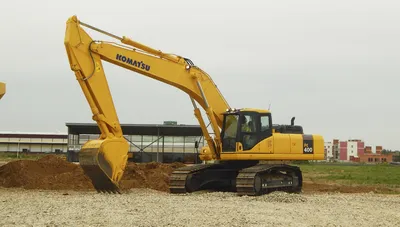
(248, 123)
(231, 122)
(265, 123)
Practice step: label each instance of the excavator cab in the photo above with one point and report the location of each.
(244, 128)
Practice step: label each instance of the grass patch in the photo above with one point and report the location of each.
(12, 156)
(379, 174)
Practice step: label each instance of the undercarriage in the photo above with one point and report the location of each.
(243, 177)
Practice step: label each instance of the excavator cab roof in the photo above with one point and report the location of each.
(234, 110)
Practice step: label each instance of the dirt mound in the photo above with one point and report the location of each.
(148, 175)
(52, 172)
(49, 172)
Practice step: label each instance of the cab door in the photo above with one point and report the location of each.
(229, 133)
(265, 133)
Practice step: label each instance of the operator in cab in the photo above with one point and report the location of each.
(245, 127)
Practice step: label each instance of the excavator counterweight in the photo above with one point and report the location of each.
(242, 138)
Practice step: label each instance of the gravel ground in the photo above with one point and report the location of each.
(152, 208)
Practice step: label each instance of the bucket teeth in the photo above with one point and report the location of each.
(99, 180)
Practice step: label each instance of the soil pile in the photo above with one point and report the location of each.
(151, 175)
(49, 172)
(52, 172)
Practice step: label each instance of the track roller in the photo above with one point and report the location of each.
(265, 178)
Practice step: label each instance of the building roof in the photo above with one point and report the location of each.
(139, 129)
(48, 135)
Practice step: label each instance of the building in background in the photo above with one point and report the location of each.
(33, 142)
(329, 151)
(344, 150)
(354, 150)
(351, 149)
(168, 142)
(377, 156)
(335, 149)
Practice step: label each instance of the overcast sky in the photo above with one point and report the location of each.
(332, 64)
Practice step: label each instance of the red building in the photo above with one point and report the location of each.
(350, 148)
(376, 158)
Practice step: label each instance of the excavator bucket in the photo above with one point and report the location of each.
(104, 162)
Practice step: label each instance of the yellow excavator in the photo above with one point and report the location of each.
(233, 157)
(2, 89)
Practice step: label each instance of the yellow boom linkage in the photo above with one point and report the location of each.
(236, 152)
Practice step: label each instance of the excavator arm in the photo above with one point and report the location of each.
(104, 159)
(2, 89)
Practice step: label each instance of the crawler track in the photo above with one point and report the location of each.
(264, 178)
(243, 178)
(180, 177)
